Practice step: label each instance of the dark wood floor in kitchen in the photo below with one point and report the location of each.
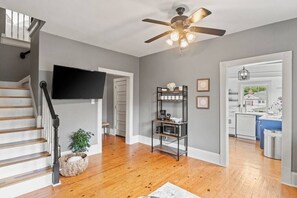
(132, 170)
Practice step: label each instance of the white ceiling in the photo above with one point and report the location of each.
(117, 25)
(258, 70)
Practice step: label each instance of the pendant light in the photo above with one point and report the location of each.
(243, 74)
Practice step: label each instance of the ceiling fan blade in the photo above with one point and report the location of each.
(157, 22)
(211, 31)
(198, 15)
(158, 36)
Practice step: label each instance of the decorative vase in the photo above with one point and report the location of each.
(171, 86)
(74, 168)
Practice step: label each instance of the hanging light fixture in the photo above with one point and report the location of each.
(243, 74)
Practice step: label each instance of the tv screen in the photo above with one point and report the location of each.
(72, 83)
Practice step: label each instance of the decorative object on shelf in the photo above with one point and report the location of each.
(181, 28)
(171, 86)
(243, 74)
(176, 120)
(162, 114)
(203, 85)
(202, 102)
(75, 163)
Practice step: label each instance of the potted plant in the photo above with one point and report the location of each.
(75, 163)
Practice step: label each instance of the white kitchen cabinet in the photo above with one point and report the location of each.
(246, 126)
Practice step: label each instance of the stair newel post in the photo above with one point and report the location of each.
(56, 165)
(55, 122)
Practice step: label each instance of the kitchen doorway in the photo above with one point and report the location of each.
(286, 59)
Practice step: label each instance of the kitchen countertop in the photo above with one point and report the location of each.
(264, 116)
(271, 117)
(252, 113)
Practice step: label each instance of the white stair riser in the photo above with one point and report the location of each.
(15, 101)
(9, 84)
(21, 151)
(26, 186)
(8, 171)
(14, 92)
(19, 136)
(14, 112)
(13, 124)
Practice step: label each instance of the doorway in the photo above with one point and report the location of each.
(129, 139)
(286, 153)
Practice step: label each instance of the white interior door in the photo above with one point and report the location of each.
(120, 106)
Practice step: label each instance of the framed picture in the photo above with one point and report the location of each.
(203, 85)
(202, 102)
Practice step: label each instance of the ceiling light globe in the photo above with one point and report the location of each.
(190, 37)
(174, 36)
(183, 43)
(169, 42)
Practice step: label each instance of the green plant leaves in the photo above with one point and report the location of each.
(80, 141)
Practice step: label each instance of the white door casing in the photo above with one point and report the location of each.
(130, 139)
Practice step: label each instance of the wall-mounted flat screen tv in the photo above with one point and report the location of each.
(72, 83)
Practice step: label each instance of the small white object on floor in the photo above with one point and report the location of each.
(74, 159)
(170, 190)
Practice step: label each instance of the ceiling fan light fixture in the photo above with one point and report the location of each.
(169, 42)
(174, 36)
(190, 37)
(183, 43)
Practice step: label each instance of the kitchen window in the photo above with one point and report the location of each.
(254, 97)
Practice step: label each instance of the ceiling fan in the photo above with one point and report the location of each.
(182, 29)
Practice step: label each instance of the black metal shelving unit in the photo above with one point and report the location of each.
(168, 131)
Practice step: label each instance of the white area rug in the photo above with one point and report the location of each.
(169, 190)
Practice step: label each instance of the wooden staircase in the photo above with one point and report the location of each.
(25, 163)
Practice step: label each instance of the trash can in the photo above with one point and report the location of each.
(273, 144)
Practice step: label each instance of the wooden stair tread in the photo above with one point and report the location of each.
(17, 118)
(24, 176)
(22, 143)
(20, 88)
(15, 96)
(20, 130)
(24, 158)
(12, 107)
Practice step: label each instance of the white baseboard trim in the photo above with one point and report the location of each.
(294, 179)
(192, 152)
(94, 149)
(134, 139)
(204, 155)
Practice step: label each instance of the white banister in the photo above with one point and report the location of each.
(17, 25)
(48, 129)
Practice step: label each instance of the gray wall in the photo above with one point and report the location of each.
(12, 67)
(202, 60)
(82, 114)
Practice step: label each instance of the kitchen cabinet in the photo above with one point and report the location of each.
(269, 124)
(245, 126)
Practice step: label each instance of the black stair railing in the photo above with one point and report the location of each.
(55, 123)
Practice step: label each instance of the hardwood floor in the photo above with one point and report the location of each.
(132, 171)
